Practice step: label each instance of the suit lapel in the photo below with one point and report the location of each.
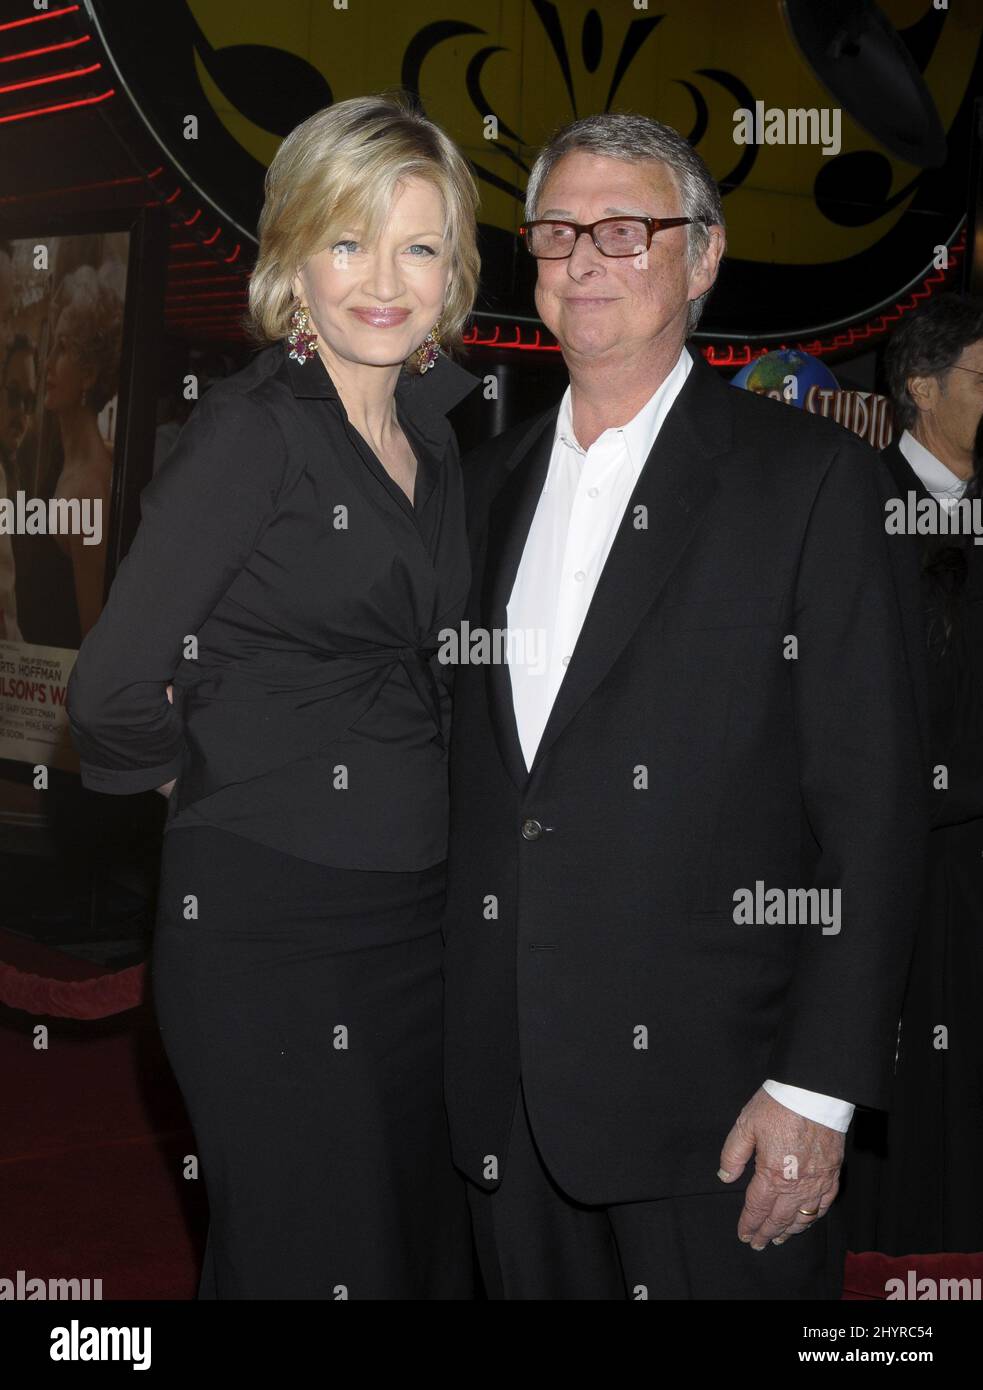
(671, 496)
(509, 519)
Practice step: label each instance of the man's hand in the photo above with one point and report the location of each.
(796, 1166)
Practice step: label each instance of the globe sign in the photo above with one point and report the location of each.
(786, 375)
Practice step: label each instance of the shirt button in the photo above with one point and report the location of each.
(566, 661)
(579, 576)
(531, 829)
(592, 492)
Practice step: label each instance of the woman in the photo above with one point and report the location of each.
(300, 550)
(81, 375)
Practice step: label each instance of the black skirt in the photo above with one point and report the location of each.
(300, 1008)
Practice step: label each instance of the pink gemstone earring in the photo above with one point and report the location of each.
(302, 338)
(427, 354)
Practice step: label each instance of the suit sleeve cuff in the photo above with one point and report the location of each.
(127, 781)
(825, 1110)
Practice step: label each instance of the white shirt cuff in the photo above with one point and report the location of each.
(825, 1110)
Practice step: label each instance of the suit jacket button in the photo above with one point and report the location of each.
(531, 830)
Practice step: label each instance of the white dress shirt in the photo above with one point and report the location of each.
(932, 473)
(577, 518)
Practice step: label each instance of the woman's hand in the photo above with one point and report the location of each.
(168, 787)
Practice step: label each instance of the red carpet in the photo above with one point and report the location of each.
(92, 1147)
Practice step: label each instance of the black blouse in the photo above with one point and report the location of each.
(287, 587)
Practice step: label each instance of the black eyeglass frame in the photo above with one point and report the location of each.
(652, 225)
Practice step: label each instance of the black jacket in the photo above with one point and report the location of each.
(284, 583)
(945, 579)
(590, 930)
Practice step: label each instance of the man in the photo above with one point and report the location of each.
(724, 709)
(913, 1183)
(934, 364)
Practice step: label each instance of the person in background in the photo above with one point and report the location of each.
(912, 1179)
(81, 375)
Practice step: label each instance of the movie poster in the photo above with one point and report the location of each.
(62, 304)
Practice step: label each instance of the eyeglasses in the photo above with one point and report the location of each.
(550, 239)
(26, 399)
(957, 368)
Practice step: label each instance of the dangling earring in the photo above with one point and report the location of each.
(426, 353)
(302, 338)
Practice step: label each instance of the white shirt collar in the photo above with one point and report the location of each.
(640, 431)
(937, 479)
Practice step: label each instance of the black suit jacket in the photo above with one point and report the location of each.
(953, 668)
(590, 932)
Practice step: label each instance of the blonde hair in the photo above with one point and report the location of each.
(92, 301)
(339, 169)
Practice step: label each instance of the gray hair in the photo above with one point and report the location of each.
(632, 137)
(930, 343)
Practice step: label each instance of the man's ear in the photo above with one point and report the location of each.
(714, 252)
(923, 391)
(703, 273)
